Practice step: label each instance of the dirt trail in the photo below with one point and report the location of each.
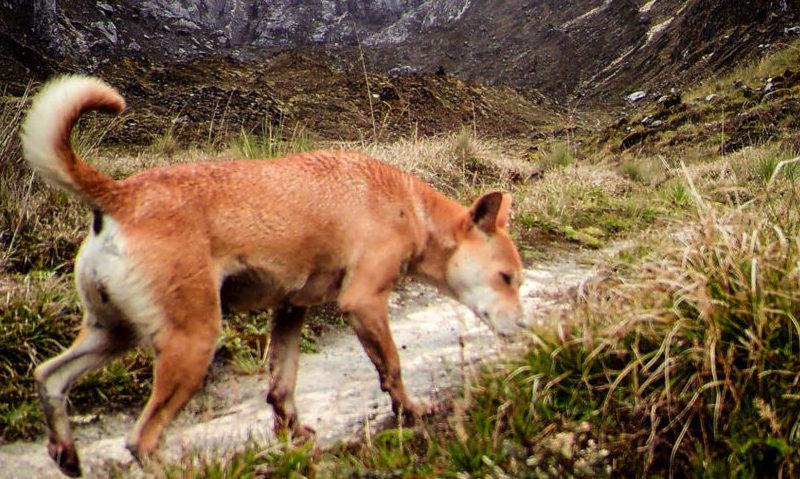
(337, 391)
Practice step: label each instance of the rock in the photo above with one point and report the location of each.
(657, 124)
(647, 120)
(711, 97)
(388, 93)
(402, 71)
(134, 47)
(105, 7)
(108, 29)
(792, 30)
(673, 98)
(746, 90)
(185, 26)
(636, 96)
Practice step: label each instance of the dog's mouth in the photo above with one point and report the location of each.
(505, 328)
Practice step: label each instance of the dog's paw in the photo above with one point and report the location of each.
(66, 457)
(301, 434)
(416, 411)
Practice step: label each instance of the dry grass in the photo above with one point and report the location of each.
(458, 164)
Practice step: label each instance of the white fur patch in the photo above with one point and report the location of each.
(44, 124)
(103, 260)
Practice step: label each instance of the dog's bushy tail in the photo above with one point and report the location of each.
(46, 134)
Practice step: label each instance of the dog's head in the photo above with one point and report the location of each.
(485, 272)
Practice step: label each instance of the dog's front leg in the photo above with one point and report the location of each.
(368, 316)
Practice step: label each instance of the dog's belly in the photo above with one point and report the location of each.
(251, 289)
(321, 287)
(255, 288)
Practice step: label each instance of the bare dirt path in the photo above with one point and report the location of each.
(337, 391)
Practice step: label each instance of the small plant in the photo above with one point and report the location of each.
(463, 147)
(647, 171)
(677, 195)
(558, 155)
(165, 145)
(273, 141)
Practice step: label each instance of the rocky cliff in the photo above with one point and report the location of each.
(565, 48)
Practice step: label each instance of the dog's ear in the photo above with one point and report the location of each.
(486, 211)
(505, 211)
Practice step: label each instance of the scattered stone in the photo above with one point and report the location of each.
(636, 96)
(746, 90)
(108, 29)
(792, 30)
(711, 97)
(134, 47)
(185, 26)
(622, 121)
(402, 71)
(388, 93)
(647, 120)
(657, 124)
(105, 7)
(673, 98)
(769, 86)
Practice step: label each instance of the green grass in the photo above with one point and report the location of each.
(274, 140)
(558, 154)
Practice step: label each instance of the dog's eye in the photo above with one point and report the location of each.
(506, 278)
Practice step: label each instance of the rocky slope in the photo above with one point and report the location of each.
(567, 49)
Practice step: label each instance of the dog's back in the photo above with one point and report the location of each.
(292, 220)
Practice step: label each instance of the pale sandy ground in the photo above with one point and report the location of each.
(337, 391)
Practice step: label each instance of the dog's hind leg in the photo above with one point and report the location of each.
(183, 350)
(94, 346)
(284, 353)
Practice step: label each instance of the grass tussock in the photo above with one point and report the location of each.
(273, 141)
(460, 164)
(558, 154)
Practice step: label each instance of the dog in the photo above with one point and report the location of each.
(169, 248)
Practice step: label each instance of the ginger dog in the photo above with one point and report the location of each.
(170, 247)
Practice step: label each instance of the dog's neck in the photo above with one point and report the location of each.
(441, 219)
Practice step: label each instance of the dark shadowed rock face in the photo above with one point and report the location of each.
(566, 48)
